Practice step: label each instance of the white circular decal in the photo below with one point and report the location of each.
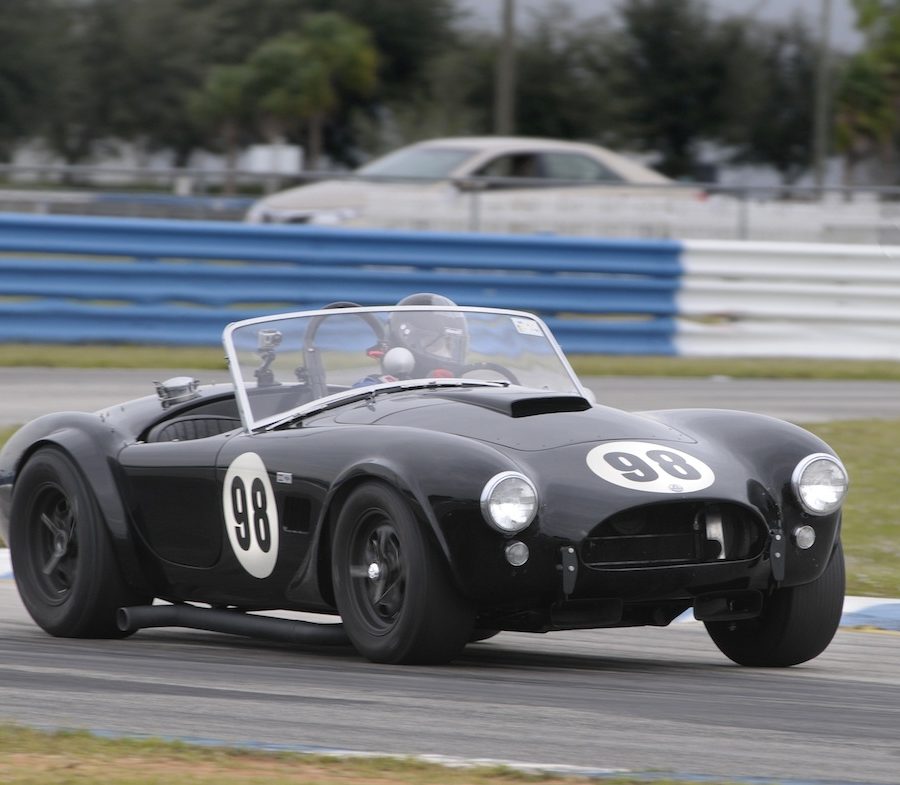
(251, 518)
(646, 466)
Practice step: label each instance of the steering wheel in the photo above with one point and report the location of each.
(312, 369)
(489, 366)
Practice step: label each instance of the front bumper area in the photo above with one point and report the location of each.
(722, 560)
(590, 597)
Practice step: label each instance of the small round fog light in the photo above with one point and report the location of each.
(804, 536)
(517, 553)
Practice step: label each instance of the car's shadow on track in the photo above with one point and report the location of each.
(498, 656)
(488, 656)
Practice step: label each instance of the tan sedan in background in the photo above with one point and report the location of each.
(499, 183)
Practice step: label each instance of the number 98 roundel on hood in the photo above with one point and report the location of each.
(645, 466)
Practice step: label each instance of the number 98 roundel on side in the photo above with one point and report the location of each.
(251, 515)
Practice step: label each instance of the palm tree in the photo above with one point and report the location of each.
(865, 120)
(301, 77)
(224, 105)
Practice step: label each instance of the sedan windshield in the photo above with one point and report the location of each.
(292, 364)
(418, 162)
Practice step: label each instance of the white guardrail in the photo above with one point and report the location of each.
(674, 213)
(789, 300)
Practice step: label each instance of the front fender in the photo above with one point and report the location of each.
(443, 493)
(769, 449)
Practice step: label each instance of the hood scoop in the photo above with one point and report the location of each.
(517, 403)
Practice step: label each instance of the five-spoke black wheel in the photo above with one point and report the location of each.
(392, 586)
(63, 562)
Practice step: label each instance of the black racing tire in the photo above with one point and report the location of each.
(63, 562)
(406, 610)
(797, 622)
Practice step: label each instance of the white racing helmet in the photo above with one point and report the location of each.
(436, 339)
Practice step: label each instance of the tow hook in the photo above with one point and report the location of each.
(777, 551)
(569, 563)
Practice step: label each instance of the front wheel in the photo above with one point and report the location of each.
(63, 563)
(797, 622)
(391, 584)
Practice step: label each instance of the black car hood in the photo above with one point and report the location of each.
(515, 418)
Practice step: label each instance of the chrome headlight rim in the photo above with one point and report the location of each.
(797, 476)
(487, 493)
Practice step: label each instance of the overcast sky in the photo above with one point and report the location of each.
(843, 31)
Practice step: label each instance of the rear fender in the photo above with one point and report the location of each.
(92, 446)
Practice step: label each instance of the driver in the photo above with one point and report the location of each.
(426, 343)
(421, 344)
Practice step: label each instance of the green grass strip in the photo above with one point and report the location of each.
(32, 757)
(870, 449)
(211, 358)
(124, 356)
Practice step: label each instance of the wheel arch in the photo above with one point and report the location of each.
(377, 472)
(797, 622)
(767, 452)
(92, 449)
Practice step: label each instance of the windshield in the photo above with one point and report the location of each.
(425, 162)
(293, 364)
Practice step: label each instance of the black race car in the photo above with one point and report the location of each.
(432, 474)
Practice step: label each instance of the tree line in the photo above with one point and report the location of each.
(351, 78)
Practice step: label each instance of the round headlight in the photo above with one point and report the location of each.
(820, 483)
(509, 502)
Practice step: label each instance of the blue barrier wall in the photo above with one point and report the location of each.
(78, 279)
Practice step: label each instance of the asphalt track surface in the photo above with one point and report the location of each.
(642, 700)
(639, 700)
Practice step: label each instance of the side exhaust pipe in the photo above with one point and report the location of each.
(269, 628)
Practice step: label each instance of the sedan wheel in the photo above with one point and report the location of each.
(63, 562)
(391, 584)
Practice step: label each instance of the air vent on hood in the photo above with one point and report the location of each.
(526, 407)
(518, 403)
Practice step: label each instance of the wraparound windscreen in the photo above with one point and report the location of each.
(292, 362)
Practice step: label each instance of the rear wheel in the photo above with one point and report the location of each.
(797, 622)
(63, 562)
(391, 584)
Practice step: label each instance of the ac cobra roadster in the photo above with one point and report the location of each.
(432, 474)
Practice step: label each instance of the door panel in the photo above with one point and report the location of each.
(175, 499)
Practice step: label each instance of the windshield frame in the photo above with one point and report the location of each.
(252, 425)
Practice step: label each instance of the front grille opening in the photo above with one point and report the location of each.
(679, 533)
